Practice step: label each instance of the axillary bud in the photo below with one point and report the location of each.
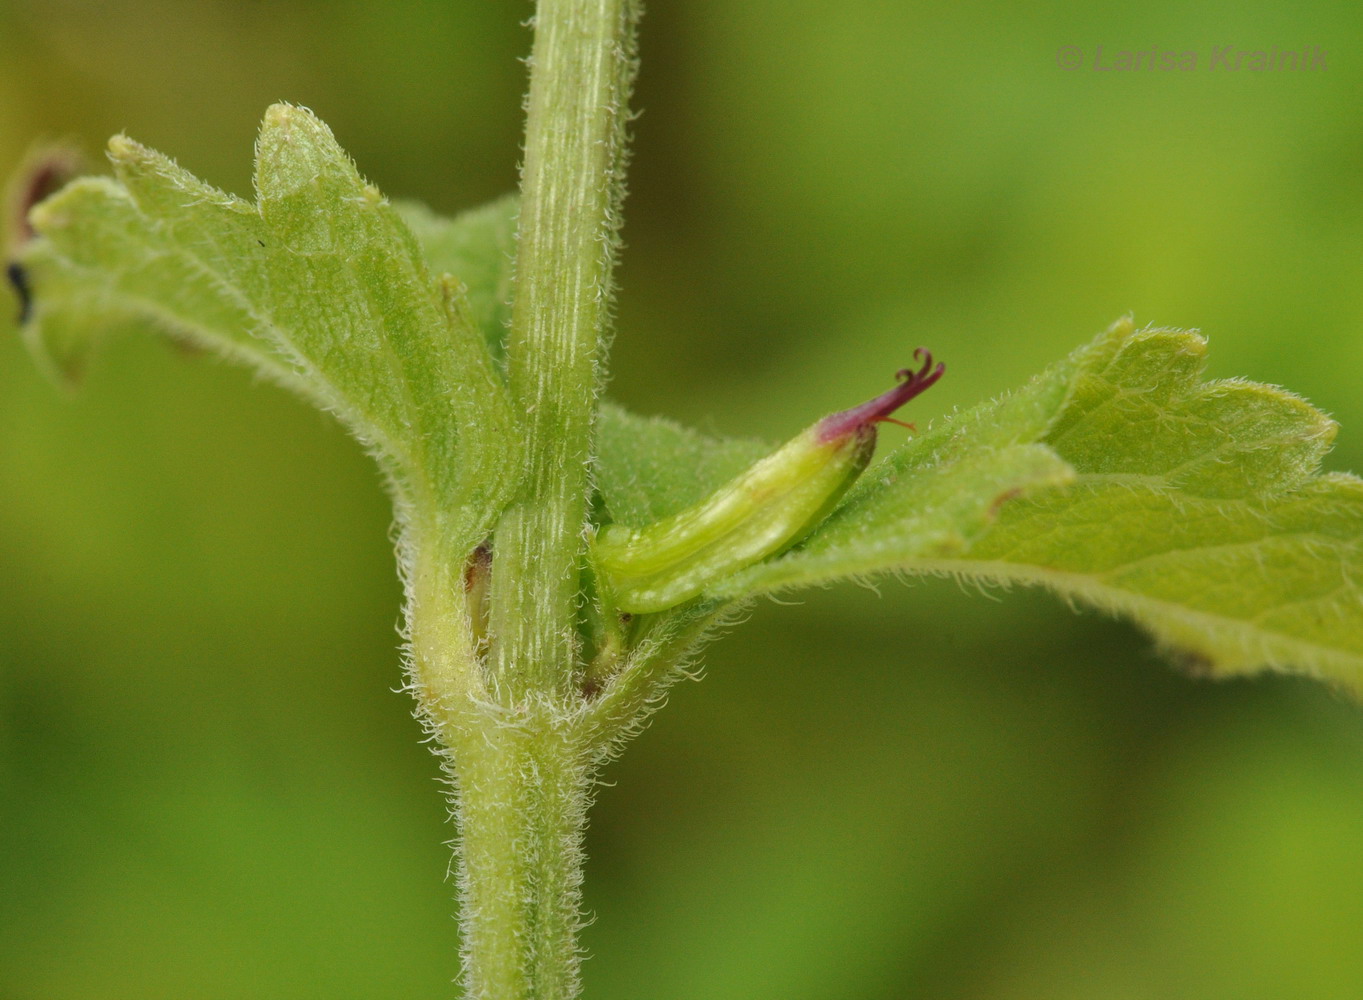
(761, 512)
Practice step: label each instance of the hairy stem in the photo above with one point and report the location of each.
(521, 778)
(582, 68)
(516, 752)
(523, 799)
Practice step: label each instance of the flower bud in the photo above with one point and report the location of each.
(760, 513)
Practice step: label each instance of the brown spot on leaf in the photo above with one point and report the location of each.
(1002, 499)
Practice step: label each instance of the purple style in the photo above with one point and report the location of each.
(873, 411)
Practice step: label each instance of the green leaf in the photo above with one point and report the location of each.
(319, 285)
(104, 258)
(647, 468)
(1121, 480)
(477, 249)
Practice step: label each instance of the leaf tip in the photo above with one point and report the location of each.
(282, 112)
(295, 152)
(293, 123)
(135, 165)
(123, 149)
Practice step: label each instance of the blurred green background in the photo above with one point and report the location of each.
(208, 788)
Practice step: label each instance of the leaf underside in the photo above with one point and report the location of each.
(318, 284)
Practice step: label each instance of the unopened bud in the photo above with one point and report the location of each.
(760, 513)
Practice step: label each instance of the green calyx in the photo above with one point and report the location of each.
(761, 512)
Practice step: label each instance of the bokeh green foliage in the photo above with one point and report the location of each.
(207, 788)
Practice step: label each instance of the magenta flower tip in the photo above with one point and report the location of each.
(873, 411)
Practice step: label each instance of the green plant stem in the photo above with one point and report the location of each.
(505, 703)
(444, 674)
(524, 793)
(522, 779)
(582, 67)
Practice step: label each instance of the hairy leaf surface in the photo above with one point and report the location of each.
(477, 249)
(1120, 479)
(319, 285)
